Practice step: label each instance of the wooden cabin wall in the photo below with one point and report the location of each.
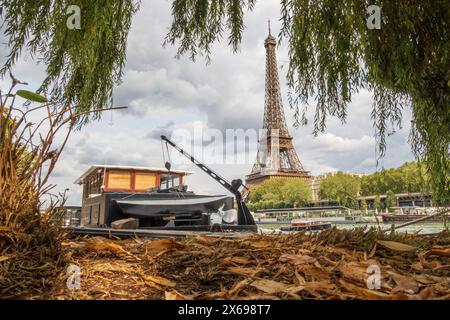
(130, 180)
(119, 180)
(144, 180)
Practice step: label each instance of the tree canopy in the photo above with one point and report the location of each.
(279, 193)
(409, 177)
(342, 188)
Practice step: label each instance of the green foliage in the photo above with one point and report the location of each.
(279, 193)
(82, 65)
(391, 200)
(341, 187)
(333, 54)
(197, 24)
(271, 187)
(410, 177)
(363, 205)
(296, 192)
(377, 203)
(32, 96)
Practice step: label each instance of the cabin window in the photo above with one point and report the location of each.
(120, 180)
(144, 181)
(169, 181)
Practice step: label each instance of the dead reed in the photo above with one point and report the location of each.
(30, 234)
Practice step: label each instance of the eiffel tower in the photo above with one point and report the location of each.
(276, 156)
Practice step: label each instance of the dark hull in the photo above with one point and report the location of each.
(408, 217)
(319, 227)
(160, 206)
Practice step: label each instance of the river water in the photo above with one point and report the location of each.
(422, 228)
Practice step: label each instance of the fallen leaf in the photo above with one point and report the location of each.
(245, 271)
(423, 278)
(256, 296)
(404, 284)
(312, 273)
(319, 286)
(260, 244)
(269, 286)
(206, 240)
(297, 259)
(238, 260)
(439, 252)
(153, 285)
(162, 244)
(3, 258)
(397, 246)
(105, 246)
(426, 293)
(363, 292)
(238, 286)
(160, 280)
(372, 250)
(354, 271)
(174, 295)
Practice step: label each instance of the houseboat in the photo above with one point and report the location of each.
(156, 197)
(306, 225)
(410, 213)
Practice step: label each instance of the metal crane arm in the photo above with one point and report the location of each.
(244, 215)
(230, 186)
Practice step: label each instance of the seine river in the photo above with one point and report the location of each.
(422, 228)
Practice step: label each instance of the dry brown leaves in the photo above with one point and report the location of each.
(263, 267)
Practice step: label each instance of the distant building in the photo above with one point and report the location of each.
(412, 199)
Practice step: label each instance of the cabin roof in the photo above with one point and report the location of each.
(94, 167)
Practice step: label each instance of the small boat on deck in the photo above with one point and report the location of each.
(306, 225)
(160, 204)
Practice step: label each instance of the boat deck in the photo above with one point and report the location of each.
(156, 233)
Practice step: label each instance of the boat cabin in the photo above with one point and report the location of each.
(109, 178)
(103, 183)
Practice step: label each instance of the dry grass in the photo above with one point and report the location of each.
(30, 241)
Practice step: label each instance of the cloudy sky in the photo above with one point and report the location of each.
(165, 95)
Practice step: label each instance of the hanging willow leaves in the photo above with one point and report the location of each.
(82, 64)
(333, 54)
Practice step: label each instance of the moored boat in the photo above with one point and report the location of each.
(177, 203)
(408, 217)
(305, 225)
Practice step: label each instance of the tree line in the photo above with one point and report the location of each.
(343, 188)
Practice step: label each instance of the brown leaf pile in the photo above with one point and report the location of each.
(336, 264)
